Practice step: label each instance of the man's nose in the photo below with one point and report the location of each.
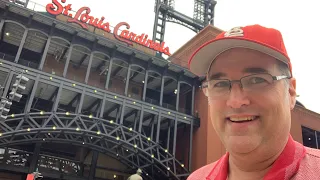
(237, 98)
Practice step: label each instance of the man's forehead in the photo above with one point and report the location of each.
(241, 60)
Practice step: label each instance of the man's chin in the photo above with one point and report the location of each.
(242, 144)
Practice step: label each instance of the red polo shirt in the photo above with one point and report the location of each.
(296, 162)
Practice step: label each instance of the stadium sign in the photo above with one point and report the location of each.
(83, 19)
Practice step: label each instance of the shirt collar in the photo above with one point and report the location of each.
(283, 168)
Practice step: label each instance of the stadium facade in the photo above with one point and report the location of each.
(101, 102)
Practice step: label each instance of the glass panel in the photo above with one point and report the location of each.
(309, 138)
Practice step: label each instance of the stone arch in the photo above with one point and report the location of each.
(14, 22)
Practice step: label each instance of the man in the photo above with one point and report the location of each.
(251, 92)
(136, 176)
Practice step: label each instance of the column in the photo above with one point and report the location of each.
(56, 101)
(192, 100)
(175, 129)
(145, 86)
(109, 73)
(79, 106)
(122, 111)
(7, 83)
(93, 166)
(127, 81)
(44, 54)
(190, 145)
(103, 105)
(162, 88)
(89, 68)
(315, 134)
(1, 24)
(33, 92)
(23, 40)
(178, 96)
(158, 127)
(141, 119)
(35, 158)
(68, 60)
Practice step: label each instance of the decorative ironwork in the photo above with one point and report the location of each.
(164, 12)
(102, 135)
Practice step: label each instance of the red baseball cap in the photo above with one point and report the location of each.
(256, 37)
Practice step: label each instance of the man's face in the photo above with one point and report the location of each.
(270, 107)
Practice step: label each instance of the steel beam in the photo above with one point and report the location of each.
(175, 129)
(316, 136)
(178, 96)
(1, 26)
(56, 101)
(146, 152)
(7, 83)
(122, 112)
(158, 127)
(93, 166)
(190, 146)
(140, 120)
(90, 61)
(80, 104)
(35, 158)
(127, 81)
(68, 61)
(88, 68)
(23, 40)
(45, 51)
(109, 74)
(145, 85)
(192, 100)
(161, 91)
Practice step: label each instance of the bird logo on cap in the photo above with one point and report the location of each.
(236, 31)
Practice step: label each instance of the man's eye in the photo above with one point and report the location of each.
(256, 80)
(221, 84)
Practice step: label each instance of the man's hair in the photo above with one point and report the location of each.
(284, 70)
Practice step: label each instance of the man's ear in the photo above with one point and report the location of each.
(292, 92)
(205, 91)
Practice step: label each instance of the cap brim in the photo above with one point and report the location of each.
(202, 58)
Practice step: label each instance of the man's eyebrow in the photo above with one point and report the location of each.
(255, 70)
(216, 75)
(246, 70)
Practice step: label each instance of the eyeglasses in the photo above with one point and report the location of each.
(254, 82)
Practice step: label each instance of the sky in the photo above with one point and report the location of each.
(298, 22)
